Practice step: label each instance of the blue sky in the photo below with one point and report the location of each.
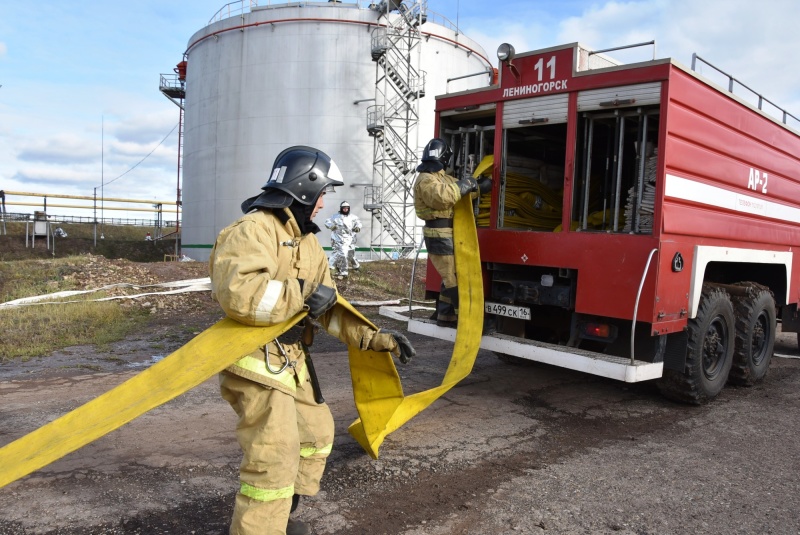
(80, 105)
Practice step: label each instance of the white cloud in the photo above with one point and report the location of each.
(3, 50)
(611, 24)
(147, 128)
(756, 45)
(59, 149)
(44, 177)
(517, 34)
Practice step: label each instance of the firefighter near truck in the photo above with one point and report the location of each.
(643, 221)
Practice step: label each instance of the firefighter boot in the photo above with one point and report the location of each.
(295, 527)
(447, 308)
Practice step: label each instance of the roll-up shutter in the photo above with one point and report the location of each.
(620, 96)
(549, 109)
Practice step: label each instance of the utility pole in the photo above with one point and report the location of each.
(102, 178)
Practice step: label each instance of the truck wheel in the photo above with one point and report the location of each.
(755, 335)
(709, 351)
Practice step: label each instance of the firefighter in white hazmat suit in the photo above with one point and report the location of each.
(343, 226)
(265, 268)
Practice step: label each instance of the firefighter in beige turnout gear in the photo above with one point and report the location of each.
(265, 268)
(435, 196)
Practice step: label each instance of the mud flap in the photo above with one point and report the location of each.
(675, 352)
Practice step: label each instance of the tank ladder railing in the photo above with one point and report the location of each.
(408, 82)
(411, 16)
(638, 297)
(372, 197)
(394, 146)
(731, 81)
(172, 87)
(233, 9)
(241, 7)
(441, 20)
(392, 121)
(389, 220)
(392, 224)
(398, 149)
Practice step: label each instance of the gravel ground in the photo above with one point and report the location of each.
(511, 449)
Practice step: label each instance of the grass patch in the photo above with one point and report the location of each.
(32, 331)
(40, 329)
(26, 278)
(386, 277)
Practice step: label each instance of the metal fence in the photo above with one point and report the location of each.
(111, 221)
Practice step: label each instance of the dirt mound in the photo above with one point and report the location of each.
(377, 281)
(100, 272)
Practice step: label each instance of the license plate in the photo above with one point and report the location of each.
(508, 311)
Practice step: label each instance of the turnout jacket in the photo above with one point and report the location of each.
(435, 196)
(256, 266)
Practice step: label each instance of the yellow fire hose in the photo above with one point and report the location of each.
(376, 387)
(379, 398)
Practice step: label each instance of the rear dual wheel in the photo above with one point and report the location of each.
(755, 334)
(709, 351)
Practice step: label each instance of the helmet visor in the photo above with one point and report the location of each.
(335, 175)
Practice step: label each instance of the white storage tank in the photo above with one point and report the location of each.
(273, 76)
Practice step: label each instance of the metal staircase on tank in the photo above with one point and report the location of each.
(393, 123)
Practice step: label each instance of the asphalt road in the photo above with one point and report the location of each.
(511, 449)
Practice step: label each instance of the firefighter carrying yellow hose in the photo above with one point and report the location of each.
(435, 196)
(265, 268)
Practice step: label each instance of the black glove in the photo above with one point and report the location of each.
(467, 185)
(394, 342)
(485, 185)
(407, 351)
(322, 300)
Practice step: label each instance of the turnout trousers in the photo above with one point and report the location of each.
(285, 442)
(441, 252)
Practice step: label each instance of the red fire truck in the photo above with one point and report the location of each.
(643, 220)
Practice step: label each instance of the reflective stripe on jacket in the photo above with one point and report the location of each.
(291, 369)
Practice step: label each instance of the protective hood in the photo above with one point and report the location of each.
(269, 198)
(430, 167)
